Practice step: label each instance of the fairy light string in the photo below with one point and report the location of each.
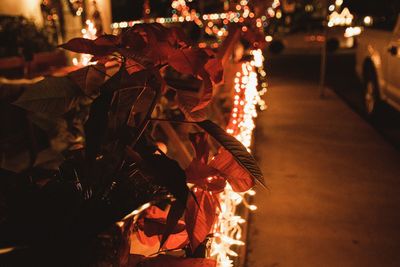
(228, 228)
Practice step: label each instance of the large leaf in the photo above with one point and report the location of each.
(160, 52)
(154, 221)
(87, 46)
(133, 39)
(96, 125)
(200, 218)
(214, 69)
(199, 172)
(200, 145)
(238, 151)
(52, 95)
(206, 91)
(176, 37)
(187, 101)
(238, 177)
(122, 105)
(89, 78)
(152, 32)
(137, 56)
(172, 224)
(205, 176)
(111, 109)
(188, 60)
(107, 40)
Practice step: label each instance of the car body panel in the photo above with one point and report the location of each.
(373, 45)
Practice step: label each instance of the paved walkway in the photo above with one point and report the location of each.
(334, 185)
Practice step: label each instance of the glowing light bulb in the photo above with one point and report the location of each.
(252, 207)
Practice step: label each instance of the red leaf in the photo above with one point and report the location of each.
(151, 33)
(157, 227)
(155, 212)
(132, 66)
(206, 91)
(176, 36)
(214, 69)
(188, 60)
(89, 78)
(87, 46)
(172, 222)
(237, 176)
(238, 151)
(187, 101)
(133, 39)
(200, 145)
(79, 45)
(156, 222)
(146, 240)
(136, 57)
(199, 219)
(216, 184)
(210, 52)
(177, 241)
(197, 173)
(217, 201)
(101, 59)
(204, 176)
(160, 52)
(107, 40)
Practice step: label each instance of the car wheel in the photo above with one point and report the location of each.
(372, 101)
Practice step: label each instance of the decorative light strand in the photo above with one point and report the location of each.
(344, 18)
(227, 230)
(230, 16)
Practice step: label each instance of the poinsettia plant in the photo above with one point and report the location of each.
(114, 163)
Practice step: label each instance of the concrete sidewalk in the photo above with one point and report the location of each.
(334, 185)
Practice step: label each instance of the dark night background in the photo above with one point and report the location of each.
(132, 9)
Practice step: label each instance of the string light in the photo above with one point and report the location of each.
(344, 18)
(352, 31)
(227, 230)
(231, 16)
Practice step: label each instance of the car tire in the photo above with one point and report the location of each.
(372, 100)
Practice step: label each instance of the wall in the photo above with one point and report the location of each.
(31, 9)
(27, 8)
(104, 7)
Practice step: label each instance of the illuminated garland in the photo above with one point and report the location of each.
(227, 230)
(230, 16)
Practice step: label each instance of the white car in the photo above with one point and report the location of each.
(378, 64)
